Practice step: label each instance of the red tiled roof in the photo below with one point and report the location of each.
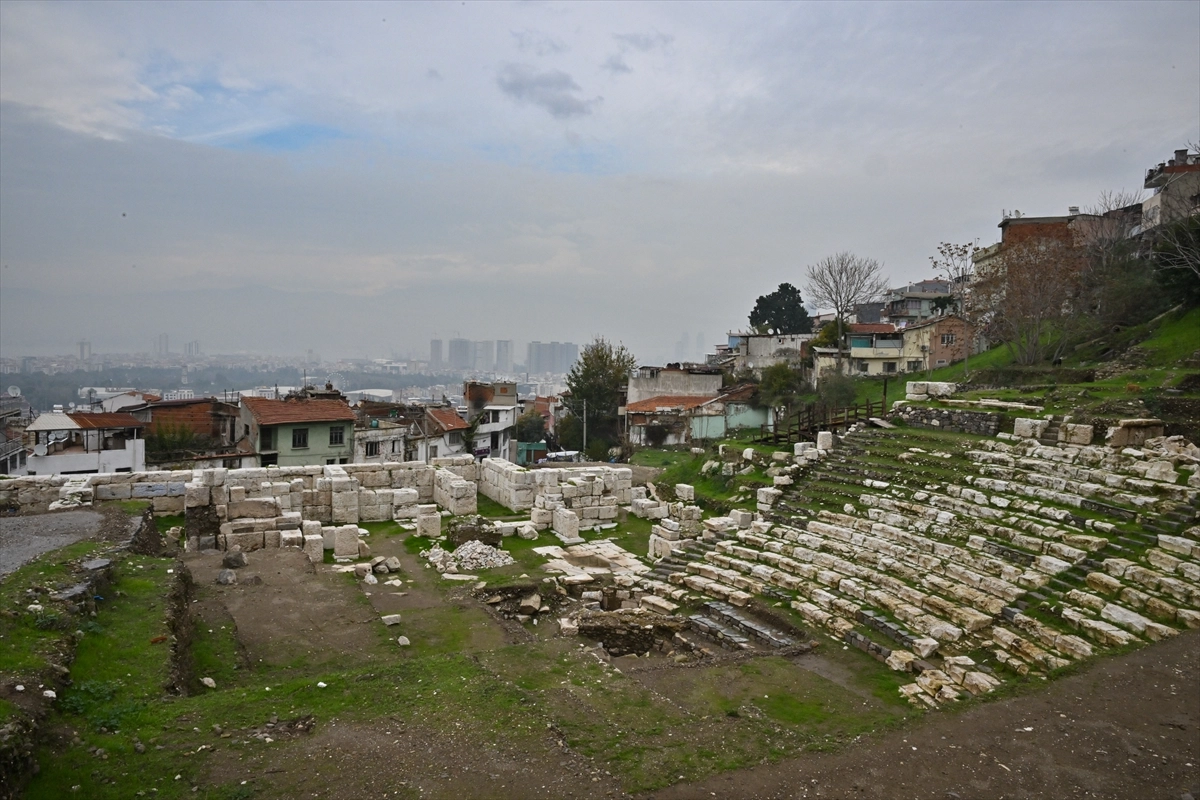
(281, 412)
(99, 421)
(738, 393)
(671, 401)
(872, 327)
(448, 419)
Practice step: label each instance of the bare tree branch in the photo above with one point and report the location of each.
(842, 281)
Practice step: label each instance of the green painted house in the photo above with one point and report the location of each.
(297, 432)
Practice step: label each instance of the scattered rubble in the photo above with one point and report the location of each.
(471, 555)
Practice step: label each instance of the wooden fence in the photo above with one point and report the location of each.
(816, 417)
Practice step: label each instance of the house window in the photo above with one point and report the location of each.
(337, 435)
(331, 461)
(456, 438)
(889, 366)
(299, 438)
(270, 459)
(343, 461)
(914, 366)
(495, 416)
(372, 449)
(267, 439)
(942, 362)
(862, 365)
(495, 440)
(947, 339)
(396, 446)
(433, 451)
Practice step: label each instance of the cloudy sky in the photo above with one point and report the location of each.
(357, 178)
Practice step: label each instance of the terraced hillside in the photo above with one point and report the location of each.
(961, 559)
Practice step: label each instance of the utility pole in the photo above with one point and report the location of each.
(585, 424)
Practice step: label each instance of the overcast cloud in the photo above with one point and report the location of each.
(356, 178)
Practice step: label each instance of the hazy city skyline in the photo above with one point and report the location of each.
(357, 179)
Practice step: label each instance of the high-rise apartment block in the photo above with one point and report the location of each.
(550, 357)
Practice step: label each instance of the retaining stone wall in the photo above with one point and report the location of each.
(985, 423)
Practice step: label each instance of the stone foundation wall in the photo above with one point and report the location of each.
(332, 494)
(984, 423)
(453, 493)
(592, 492)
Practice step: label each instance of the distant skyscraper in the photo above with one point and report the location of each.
(551, 357)
(681, 347)
(435, 354)
(85, 350)
(461, 355)
(484, 356)
(504, 351)
(162, 345)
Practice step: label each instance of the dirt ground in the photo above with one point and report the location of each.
(295, 614)
(1128, 727)
(24, 538)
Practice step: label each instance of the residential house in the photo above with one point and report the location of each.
(439, 434)
(681, 380)
(124, 401)
(78, 443)
(937, 342)
(297, 432)
(212, 423)
(495, 406)
(754, 352)
(206, 417)
(912, 303)
(379, 440)
(14, 413)
(679, 419)
(1176, 187)
(883, 349)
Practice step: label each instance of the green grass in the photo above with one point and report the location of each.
(29, 639)
(487, 507)
(168, 521)
(133, 507)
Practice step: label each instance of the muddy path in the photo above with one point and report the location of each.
(1127, 727)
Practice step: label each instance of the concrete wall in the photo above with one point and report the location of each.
(132, 457)
(673, 381)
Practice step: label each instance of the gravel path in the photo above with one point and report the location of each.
(23, 538)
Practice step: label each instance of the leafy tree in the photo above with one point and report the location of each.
(828, 335)
(943, 304)
(569, 431)
(596, 382)
(781, 312)
(531, 426)
(779, 388)
(837, 390)
(842, 281)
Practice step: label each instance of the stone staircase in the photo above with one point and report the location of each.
(919, 548)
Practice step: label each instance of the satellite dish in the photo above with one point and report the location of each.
(71, 405)
(14, 391)
(39, 449)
